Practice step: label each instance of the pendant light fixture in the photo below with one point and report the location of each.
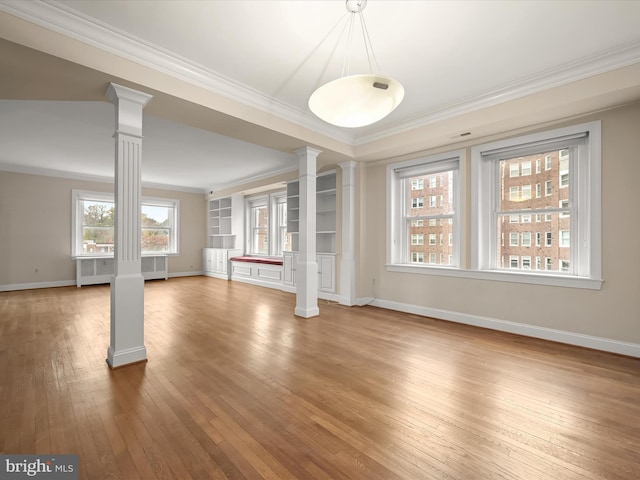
(357, 100)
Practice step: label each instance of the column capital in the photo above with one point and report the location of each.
(129, 104)
(306, 152)
(348, 164)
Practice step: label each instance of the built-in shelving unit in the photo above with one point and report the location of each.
(226, 235)
(325, 213)
(220, 235)
(325, 231)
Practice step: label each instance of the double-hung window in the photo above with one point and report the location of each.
(259, 226)
(94, 224)
(570, 206)
(407, 216)
(267, 224)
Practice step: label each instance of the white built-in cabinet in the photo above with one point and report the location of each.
(225, 234)
(325, 232)
(216, 261)
(326, 271)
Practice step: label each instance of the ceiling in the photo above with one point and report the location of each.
(231, 79)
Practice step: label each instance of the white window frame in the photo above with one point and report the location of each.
(77, 219)
(398, 257)
(274, 229)
(585, 202)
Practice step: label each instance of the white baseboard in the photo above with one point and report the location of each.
(184, 274)
(31, 286)
(257, 282)
(561, 336)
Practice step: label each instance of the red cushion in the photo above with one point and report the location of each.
(268, 261)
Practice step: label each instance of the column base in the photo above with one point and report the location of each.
(126, 357)
(306, 313)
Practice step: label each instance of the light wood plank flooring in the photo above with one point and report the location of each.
(237, 387)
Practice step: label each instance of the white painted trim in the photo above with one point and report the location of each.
(554, 335)
(64, 20)
(126, 356)
(500, 276)
(10, 287)
(71, 23)
(602, 62)
(362, 301)
(257, 282)
(185, 274)
(46, 172)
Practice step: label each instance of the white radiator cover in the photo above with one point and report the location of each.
(96, 270)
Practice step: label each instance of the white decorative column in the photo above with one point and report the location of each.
(127, 284)
(307, 266)
(348, 259)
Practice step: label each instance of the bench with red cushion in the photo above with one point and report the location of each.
(249, 259)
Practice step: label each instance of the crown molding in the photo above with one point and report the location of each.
(62, 19)
(85, 177)
(255, 178)
(600, 63)
(71, 23)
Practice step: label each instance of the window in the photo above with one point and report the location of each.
(266, 224)
(514, 170)
(259, 226)
(538, 239)
(158, 225)
(417, 184)
(94, 224)
(526, 168)
(526, 239)
(514, 261)
(513, 239)
(514, 218)
(417, 257)
(572, 206)
(417, 202)
(526, 263)
(526, 218)
(526, 192)
(439, 221)
(538, 190)
(514, 194)
(538, 263)
(417, 223)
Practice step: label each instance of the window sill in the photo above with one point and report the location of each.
(110, 255)
(500, 276)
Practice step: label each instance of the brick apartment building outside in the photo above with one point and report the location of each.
(431, 239)
(532, 218)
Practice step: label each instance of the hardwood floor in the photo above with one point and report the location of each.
(237, 387)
